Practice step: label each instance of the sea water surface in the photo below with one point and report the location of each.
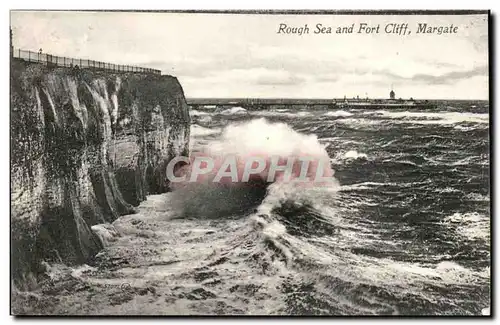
(405, 230)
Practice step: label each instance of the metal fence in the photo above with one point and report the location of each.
(62, 61)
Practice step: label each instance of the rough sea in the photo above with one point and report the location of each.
(404, 230)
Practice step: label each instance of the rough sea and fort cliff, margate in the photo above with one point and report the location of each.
(394, 28)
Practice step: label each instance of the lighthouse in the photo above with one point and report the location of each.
(392, 94)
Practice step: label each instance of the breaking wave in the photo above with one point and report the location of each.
(274, 143)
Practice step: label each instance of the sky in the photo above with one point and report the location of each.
(243, 55)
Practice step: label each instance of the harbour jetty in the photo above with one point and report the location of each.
(311, 103)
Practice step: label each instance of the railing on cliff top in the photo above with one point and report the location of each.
(62, 61)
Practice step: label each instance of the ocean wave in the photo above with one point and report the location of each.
(465, 128)
(233, 111)
(340, 140)
(197, 130)
(371, 185)
(472, 225)
(348, 156)
(469, 160)
(194, 112)
(353, 154)
(447, 190)
(477, 197)
(203, 119)
(337, 113)
(403, 162)
(364, 186)
(359, 122)
(435, 117)
(281, 113)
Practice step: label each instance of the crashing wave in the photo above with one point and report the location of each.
(272, 143)
(234, 110)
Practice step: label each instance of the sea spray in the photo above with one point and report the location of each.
(260, 153)
(257, 150)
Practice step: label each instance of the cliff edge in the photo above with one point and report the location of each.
(86, 146)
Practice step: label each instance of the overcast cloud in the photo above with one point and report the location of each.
(227, 55)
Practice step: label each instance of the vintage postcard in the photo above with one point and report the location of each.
(250, 163)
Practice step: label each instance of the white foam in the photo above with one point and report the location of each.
(436, 117)
(194, 112)
(206, 119)
(471, 225)
(477, 197)
(80, 271)
(234, 110)
(106, 233)
(338, 113)
(197, 130)
(281, 112)
(271, 139)
(353, 154)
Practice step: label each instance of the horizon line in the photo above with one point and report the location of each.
(329, 98)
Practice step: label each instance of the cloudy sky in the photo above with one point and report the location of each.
(236, 55)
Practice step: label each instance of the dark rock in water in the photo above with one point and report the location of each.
(86, 147)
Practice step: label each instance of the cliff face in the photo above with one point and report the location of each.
(85, 148)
